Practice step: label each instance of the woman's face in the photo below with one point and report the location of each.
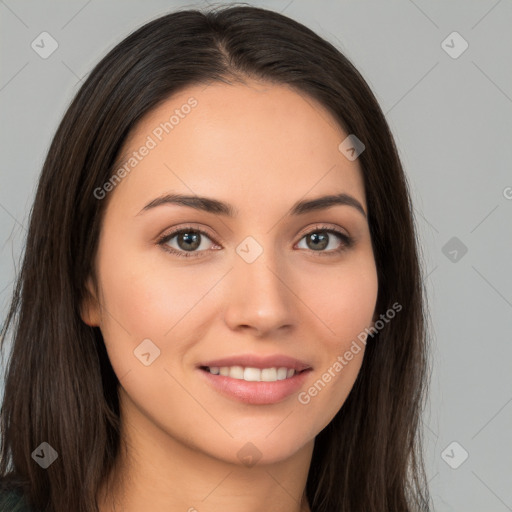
(266, 283)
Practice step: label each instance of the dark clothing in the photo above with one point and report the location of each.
(12, 501)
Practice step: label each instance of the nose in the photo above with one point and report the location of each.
(259, 297)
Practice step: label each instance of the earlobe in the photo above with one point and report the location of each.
(89, 310)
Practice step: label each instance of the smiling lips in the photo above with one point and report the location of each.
(254, 379)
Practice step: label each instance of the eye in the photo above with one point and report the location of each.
(320, 238)
(188, 239)
(190, 244)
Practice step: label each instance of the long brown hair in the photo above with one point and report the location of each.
(60, 387)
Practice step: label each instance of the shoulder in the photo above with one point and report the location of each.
(13, 501)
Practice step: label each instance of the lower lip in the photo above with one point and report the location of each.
(256, 393)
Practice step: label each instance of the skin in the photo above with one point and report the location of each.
(261, 148)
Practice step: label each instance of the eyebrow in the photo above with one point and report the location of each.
(217, 207)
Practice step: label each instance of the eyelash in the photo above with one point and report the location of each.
(346, 240)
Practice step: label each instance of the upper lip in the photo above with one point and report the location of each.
(257, 361)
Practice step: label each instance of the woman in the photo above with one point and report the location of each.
(221, 303)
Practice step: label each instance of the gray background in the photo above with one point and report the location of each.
(452, 120)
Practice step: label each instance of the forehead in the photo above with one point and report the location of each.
(262, 142)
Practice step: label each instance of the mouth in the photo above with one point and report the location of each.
(255, 380)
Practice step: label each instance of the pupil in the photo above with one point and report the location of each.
(185, 237)
(323, 242)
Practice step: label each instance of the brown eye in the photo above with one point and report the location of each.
(317, 241)
(321, 238)
(188, 241)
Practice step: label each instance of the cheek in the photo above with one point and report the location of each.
(324, 396)
(147, 296)
(343, 300)
(357, 298)
(346, 304)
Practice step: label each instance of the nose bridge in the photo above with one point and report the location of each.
(258, 295)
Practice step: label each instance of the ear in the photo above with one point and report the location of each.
(89, 309)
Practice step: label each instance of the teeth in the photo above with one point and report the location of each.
(282, 373)
(236, 372)
(250, 374)
(253, 374)
(269, 374)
